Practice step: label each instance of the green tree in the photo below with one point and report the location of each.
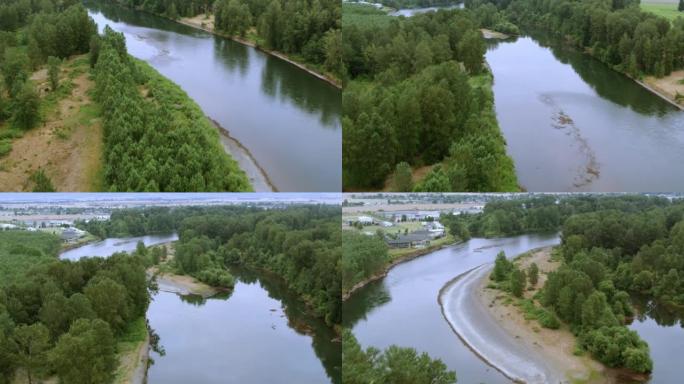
(471, 51)
(86, 354)
(33, 342)
(53, 71)
(41, 182)
(533, 274)
(502, 267)
(517, 281)
(680, 7)
(403, 178)
(108, 299)
(26, 108)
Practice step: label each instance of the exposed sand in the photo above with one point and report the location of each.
(489, 34)
(66, 148)
(182, 284)
(521, 349)
(667, 87)
(257, 175)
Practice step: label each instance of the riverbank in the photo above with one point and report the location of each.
(669, 88)
(133, 354)
(181, 284)
(490, 323)
(415, 253)
(206, 23)
(255, 173)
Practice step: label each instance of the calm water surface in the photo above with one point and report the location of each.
(402, 308)
(288, 119)
(573, 124)
(259, 333)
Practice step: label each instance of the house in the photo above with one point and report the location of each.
(366, 220)
(435, 228)
(386, 224)
(70, 234)
(418, 239)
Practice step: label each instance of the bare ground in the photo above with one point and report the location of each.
(556, 345)
(67, 146)
(668, 87)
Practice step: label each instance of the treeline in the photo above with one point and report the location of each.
(398, 4)
(616, 32)
(306, 28)
(30, 33)
(419, 94)
(393, 365)
(62, 319)
(158, 139)
(541, 213)
(299, 244)
(362, 257)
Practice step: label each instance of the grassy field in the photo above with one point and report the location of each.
(667, 9)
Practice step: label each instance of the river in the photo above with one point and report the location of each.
(259, 333)
(402, 308)
(288, 119)
(573, 124)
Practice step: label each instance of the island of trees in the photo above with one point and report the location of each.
(300, 244)
(419, 94)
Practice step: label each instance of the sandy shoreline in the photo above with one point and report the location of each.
(499, 333)
(193, 22)
(255, 173)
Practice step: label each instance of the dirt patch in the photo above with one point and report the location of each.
(669, 87)
(556, 345)
(181, 284)
(67, 145)
(489, 34)
(134, 363)
(417, 175)
(202, 21)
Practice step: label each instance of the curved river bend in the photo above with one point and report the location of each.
(403, 309)
(288, 119)
(259, 333)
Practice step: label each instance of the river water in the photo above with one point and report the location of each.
(573, 124)
(259, 333)
(402, 308)
(288, 119)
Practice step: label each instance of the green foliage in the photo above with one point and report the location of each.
(53, 71)
(403, 177)
(362, 257)
(232, 17)
(58, 316)
(86, 354)
(618, 346)
(394, 365)
(26, 107)
(517, 282)
(413, 96)
(41, 181)
(162, 143)
(20, 250)
(533, 274)
(618, 33)
(502, 268)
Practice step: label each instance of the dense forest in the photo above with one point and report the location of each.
(399, 4)
(616, 32)
(158, 139)
(419, 94)
(394, 365)
(542, 213)
(63, 319)
(301, 244)
(31, 35)
(307, 29)
(362, 257)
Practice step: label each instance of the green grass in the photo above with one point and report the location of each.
(128, 343)
(664, 9)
